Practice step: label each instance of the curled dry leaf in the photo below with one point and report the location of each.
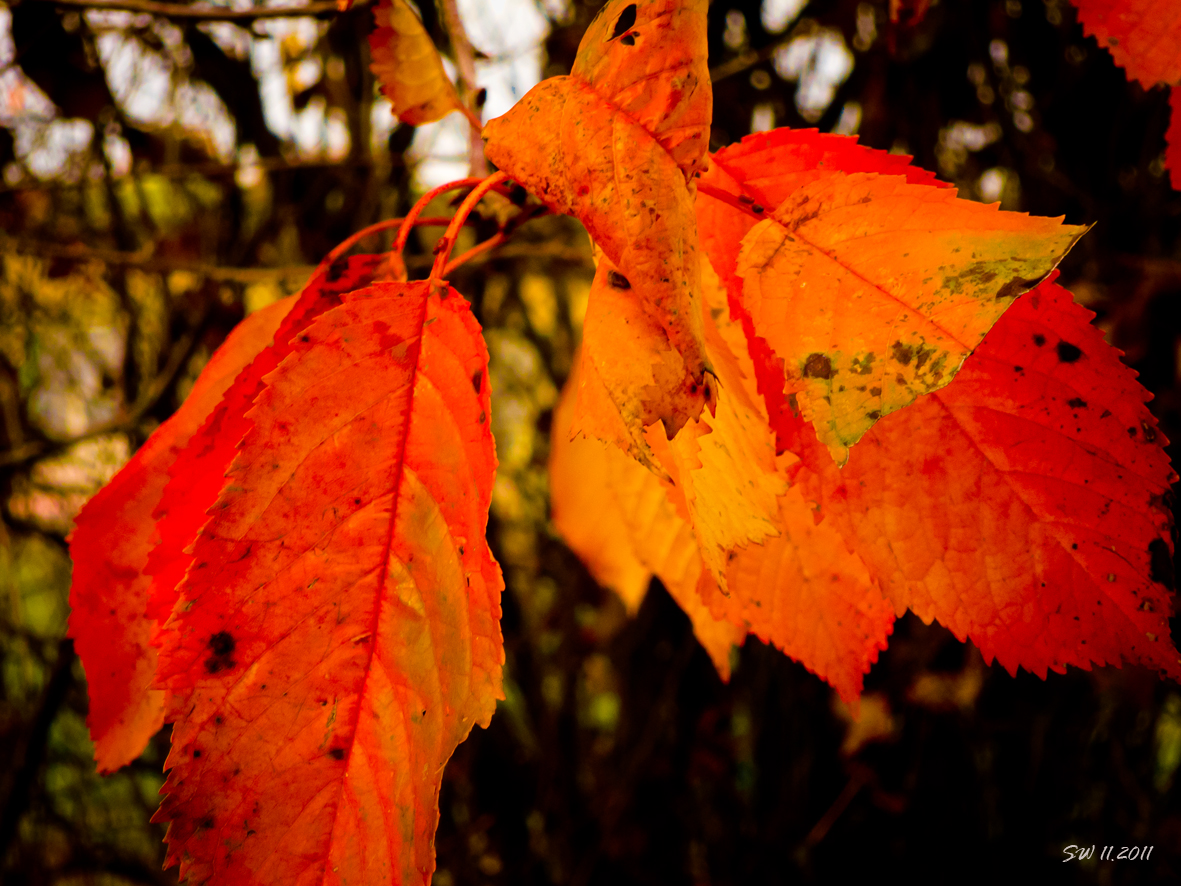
(407, 64)
(624, 175)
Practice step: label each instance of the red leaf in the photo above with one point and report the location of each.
(1025, 505)
(1143, 36)
(195, 479)
(110, 545)
(338, 632)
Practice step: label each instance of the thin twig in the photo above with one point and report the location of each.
(746, 60)
(205, 12)
(465, 62)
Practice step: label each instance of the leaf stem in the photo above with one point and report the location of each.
(417, 209)
(447, 243)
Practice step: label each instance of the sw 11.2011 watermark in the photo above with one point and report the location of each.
(1107, 853)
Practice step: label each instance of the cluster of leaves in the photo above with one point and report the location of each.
(815, 390)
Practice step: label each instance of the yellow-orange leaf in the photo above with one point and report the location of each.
(618, 398)
(873, 290)
(114, 534)
(619, 518)
(777, 573)
(338, 631)
(407, 64)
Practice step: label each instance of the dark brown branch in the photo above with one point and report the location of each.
(205, 12)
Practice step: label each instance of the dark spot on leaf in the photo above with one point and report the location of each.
(206, 822)
(873, 416)
(478, 380)
(902, 353)
(221, 645)
(1039, 339)
(337, 269)
(626, 19)
(1077, 403)
(305, 338)
(628, 40)
(483, 416)
(1162, 563)
(818, 366)
(1132, 432)
(1015, 287)
(1067, 352)
(757, 208)
(875, 392)
(1018, 368)
(616, 280)
(196, 754)
(336, 753)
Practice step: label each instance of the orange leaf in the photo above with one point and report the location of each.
(569, 142)
(777, 573)
(338, 633)
(619, 518)
(109, 546)
(1024, 505)
(872, 290)
(648, 59)
(408, 67)
(618, 398)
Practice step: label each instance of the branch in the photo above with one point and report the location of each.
(748, 59)
(205, 12)
(465, 61)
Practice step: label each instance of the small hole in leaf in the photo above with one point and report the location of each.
(626, 19)
(616, 280)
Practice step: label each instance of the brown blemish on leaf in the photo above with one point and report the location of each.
(902, 353)
(1015, 287)
(222, 646)
(818, 366)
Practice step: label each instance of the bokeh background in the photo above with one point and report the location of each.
(162, 175)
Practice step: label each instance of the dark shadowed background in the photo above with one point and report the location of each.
(162, 176)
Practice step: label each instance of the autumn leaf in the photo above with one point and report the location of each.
(338, 632)
(723, 531)
(1024, 506)
(871, 289)
(109, 546)
(619, 518)
(1144, 38)
(409, 69)
(195, 478)
(570, 143)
